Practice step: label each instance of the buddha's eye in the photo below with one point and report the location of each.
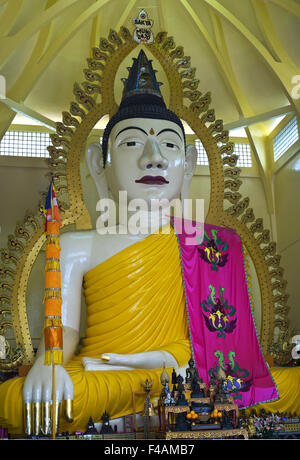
(170, 145)
(131, 144)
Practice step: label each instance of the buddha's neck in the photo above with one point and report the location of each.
(146, 222)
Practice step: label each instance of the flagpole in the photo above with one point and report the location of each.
(53, 328)
(53, 402)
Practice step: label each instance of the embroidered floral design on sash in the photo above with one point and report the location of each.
(213, 250)
(235, 381)
(219, 313)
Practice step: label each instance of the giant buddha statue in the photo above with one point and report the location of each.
(136, 312)
(153, 299)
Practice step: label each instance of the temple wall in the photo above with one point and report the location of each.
(287, 213)
(22, 180)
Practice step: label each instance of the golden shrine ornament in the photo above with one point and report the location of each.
(143, 33)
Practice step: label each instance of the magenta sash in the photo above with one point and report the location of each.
(222, 328)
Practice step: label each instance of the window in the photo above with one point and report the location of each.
(285, 138)
(242, 150)
(25, 144)
(244, 153)
(201, 153)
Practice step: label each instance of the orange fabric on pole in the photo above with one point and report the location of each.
(53, 227)
(53, 337)
(52, 252)
(53, 329)
(52, 307)
(52, 279)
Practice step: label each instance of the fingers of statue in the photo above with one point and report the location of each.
(28, 418)
(32, 418)
(64, 394)
(105, 357)
(94, 364)
(38, 394)
(69, 410)
(68, 387)
(47, 417)
(68, 397)
(38, 416)
(115, 359)
(48, 412)
(32, 394)
(56, 413)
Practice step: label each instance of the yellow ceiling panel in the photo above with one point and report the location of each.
(226, 39)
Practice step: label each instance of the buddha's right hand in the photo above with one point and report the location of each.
(37, 396)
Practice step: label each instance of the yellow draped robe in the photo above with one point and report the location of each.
(135, 303)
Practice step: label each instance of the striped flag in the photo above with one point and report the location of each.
(51, 206)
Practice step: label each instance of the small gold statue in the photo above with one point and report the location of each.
(164, 377)
(147, 385)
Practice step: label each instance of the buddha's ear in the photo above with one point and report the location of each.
(94, 160)
(189, 169)
(190, 160)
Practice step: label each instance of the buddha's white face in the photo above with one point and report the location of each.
(146, 159)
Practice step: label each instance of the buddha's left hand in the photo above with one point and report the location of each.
(146, 360)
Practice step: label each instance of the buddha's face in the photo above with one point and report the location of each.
(146, 158)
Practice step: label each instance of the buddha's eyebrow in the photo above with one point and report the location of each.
(131, 127)
(169, 129)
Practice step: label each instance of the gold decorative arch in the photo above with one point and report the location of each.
(69, 141)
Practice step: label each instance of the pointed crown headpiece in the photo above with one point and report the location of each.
(141, 78)
(141, 98)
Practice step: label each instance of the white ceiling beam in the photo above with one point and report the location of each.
(283, 71)
(28, 112)
(124, 16)
(11, 43)
(10, 16)
(289, 5)
(222, 59)
(244, 122)
(270, 35)
(38, 62)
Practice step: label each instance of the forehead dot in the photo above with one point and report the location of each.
(151, 131)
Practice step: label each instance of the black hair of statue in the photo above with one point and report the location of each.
(140, 106)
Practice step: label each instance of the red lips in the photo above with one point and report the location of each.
(152, 180)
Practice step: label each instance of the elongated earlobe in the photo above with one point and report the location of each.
(95, 164)
(189, 169)
(190, 160)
